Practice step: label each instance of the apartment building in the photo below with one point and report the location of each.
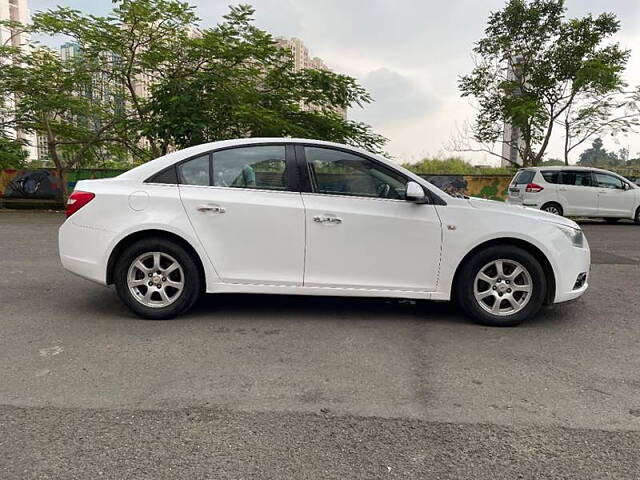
(17, 11)
(302, 59)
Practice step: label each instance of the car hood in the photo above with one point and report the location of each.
(532, 213)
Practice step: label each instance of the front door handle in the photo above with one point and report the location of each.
(330, 219)
(211, 208)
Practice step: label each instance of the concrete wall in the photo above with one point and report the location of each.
(39, 188)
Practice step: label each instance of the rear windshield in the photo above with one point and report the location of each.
(551, 176)
(523, 176)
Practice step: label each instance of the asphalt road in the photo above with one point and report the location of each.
(276, 387)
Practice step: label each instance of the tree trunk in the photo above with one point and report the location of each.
(60, 170)
(566, 144)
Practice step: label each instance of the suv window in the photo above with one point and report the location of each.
(579, 178)
(523, 176)
(551, 176)
(195, 171)
(604, 180)
(340, 173)
(262, 167)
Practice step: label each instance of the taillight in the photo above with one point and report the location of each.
(77, 200)
(534, 187)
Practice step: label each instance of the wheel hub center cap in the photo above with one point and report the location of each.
(502, 288)
(156, 279)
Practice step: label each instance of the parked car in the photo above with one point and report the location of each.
(303, 217)
(577, 192)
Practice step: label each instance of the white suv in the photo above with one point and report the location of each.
(576, 191)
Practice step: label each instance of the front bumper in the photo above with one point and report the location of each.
(570, 266)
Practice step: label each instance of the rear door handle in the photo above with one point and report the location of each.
(211, 208)
(331, 219)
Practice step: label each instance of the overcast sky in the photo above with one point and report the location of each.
(407, 53)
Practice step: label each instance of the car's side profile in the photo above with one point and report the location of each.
(576, 191)
(295, 216)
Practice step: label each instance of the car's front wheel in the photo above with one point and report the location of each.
(157, 279)
(501, 286)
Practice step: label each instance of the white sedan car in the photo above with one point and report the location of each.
(305, 217)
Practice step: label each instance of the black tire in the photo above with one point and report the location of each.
(611, 220)
(189, 275)
(636, 218)
(464, 288)
(552, 207)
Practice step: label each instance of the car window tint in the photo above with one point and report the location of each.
(608, 181)
(551, 176)
(195, 171)
(524, 176)
(340, 173)
(581, 179)
(261, 167)
(167, 176)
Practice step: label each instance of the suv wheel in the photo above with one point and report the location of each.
(501, 286)
(157, 279)
(552, 207)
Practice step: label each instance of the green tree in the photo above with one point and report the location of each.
(598, 156)
(205, 84)
(12, 153)
(51, 100)
(533, 64)
(236, 81)
(135, 45)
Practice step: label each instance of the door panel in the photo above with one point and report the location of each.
(577, 194)
(251, 236)
(371, 243)
(613, 199)
(361, 233)
(241, 206)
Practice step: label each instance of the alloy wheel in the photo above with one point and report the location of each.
(155, 279)
(503, 287)
(552, 209)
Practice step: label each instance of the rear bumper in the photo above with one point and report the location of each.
(82, 251)
(527, 202)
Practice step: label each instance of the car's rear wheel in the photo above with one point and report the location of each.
(552, 207)
(157, 279)
(636, 218)
(501, 286)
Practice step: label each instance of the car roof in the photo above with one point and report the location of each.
(571, 167)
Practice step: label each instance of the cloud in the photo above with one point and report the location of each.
(396, 98)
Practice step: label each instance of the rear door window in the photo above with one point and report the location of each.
(577, 178)
(551, 176)
(523, 177)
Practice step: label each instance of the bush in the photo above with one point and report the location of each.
(454, 166)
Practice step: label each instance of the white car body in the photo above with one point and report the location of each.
(579, 191)
(265, 241)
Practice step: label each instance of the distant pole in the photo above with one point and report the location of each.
(511, 137)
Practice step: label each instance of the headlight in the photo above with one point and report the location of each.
(575, 235)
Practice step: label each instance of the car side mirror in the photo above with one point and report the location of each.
(626, 186)
(415, 193)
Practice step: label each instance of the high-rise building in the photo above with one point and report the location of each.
(303, 60)
(17, 11)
